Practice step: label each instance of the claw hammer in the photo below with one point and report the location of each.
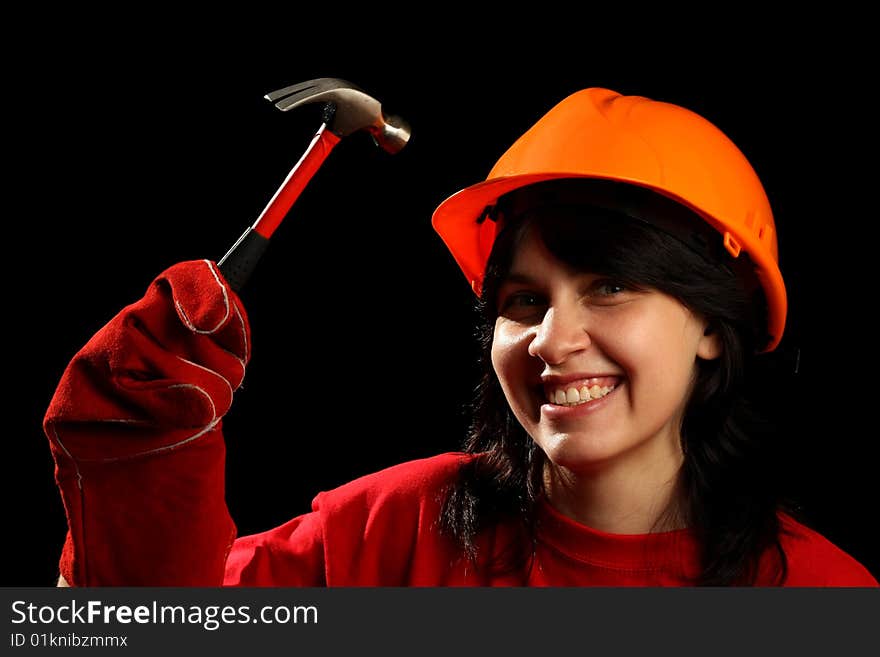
(347, 109)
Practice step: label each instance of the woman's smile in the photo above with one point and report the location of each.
(572, 403)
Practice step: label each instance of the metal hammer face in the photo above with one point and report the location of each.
(353, 110)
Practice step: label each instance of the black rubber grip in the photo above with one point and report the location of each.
(240, 261)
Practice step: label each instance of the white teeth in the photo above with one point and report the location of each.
(574, 397)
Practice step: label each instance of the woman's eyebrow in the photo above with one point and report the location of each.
(523, 278)
(518, 277)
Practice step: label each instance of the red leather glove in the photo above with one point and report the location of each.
(135, 431)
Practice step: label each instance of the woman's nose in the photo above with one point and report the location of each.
(561, 333)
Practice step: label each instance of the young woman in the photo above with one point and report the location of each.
(624, 255)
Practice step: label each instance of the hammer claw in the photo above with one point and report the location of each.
(308, 91)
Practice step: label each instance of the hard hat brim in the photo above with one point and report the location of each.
(458, 222)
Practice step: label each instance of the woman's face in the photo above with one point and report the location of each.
(596, 373)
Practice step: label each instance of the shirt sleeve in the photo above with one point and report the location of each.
(813, 560)
(291, 554)
(377, 530)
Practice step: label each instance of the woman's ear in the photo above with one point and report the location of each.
(709, 347)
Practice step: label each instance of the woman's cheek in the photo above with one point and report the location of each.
(511, 361)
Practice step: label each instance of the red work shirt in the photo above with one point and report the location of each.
(381, 530)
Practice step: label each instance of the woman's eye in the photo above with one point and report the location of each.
(608, 288)
(522, 300)
(521, 304)
(608, 292)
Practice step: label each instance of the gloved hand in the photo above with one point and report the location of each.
(135, 430)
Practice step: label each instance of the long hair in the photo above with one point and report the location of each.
(727, 477)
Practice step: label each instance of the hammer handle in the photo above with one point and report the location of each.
(240, 261)
(279, 205)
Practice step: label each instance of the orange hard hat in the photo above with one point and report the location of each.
(598, 133)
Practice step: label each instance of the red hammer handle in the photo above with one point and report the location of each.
(279, 205)
(240, 261)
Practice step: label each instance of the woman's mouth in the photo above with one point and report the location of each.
(573, 399)
(576, 393)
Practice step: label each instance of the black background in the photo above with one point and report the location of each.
(147, 143)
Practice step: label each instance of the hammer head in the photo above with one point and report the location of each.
(353, 110)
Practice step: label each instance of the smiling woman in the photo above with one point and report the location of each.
(624, 257)
(605, 336)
